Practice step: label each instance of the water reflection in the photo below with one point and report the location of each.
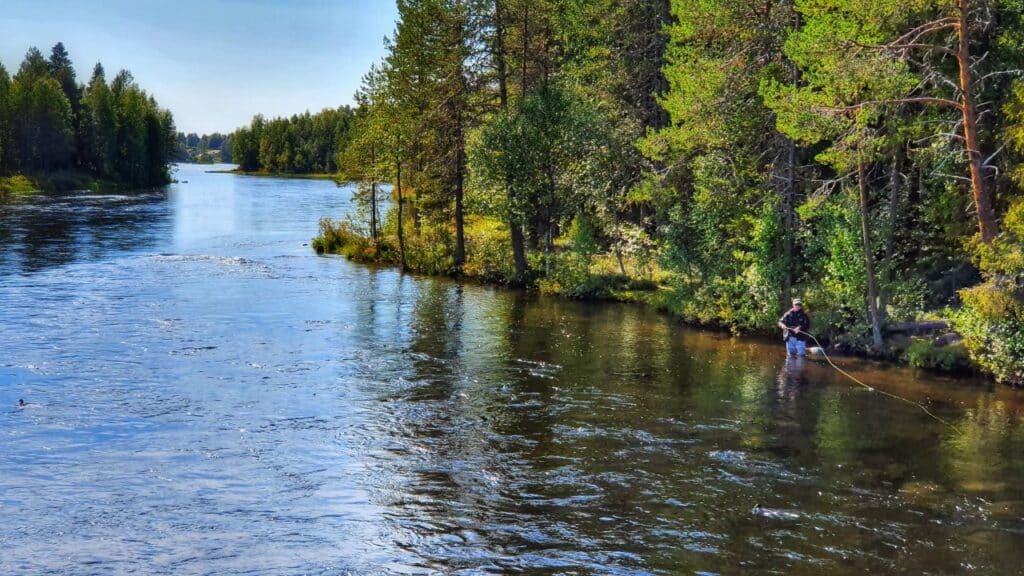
(213, 398)
(54, 229)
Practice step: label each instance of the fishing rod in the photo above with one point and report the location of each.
(867, 387)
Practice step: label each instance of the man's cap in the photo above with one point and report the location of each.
(797, 301)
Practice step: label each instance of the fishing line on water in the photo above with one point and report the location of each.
(872, 388)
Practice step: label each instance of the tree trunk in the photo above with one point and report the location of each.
(460, 183)
(869, 265)
(373, 196)
(789, 222)
(526, 45)
(401, 208)
(515, 227)
(888, 273)
(979, 189)
(499, 54)
(789, 198)
(622, 265)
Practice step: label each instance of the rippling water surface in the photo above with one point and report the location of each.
(207, 396)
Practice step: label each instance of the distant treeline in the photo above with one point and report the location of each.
(303, 144)
(205, 149)
(49, 123)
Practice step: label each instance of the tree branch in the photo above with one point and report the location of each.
(933, 26)
(914, 100)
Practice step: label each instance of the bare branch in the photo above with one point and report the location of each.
(949, 135)
(1016, 72)
(994, 154)
(928, 27)
(913, 46)
(913, 100)
(952, 176)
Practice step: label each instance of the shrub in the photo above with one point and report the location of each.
(923, 353)
(489, 251)
(992, 324)
(343, 237)
(992, 318)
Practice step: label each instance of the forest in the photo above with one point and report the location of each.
(302, 144)
(65, 134)
(712, 157)
(205, 149)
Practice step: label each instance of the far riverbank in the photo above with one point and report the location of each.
(315, 176)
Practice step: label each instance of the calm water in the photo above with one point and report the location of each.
(209, 397)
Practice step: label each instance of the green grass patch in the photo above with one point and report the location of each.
(17, 184)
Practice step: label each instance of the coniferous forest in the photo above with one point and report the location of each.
(67, 133)
(712, 157)
(302, 144)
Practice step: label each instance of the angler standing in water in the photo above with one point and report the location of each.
(795, 323)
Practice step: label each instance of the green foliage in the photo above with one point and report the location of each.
(301, 144)
(923, 353)
(710, 157)
(50, 125)
(992, 324)
(206, 149)
(18, 184)
(344, 237)
(992, 317)
(488, 247)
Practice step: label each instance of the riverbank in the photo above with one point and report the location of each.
(62, 181)
(316, 176)
(16, 184)
(637, 280)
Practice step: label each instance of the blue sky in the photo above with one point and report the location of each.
(214, 63)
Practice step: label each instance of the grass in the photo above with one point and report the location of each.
(59, 181)
(17, 184)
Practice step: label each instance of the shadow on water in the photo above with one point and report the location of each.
(554, 437)
(47, 230)
(208, 396)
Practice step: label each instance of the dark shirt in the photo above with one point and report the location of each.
(793, 319)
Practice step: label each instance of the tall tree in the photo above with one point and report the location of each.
(99, 123)
(959, 54)
(719, 200)
(6, 138)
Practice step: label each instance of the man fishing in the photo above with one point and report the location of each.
(795, 323)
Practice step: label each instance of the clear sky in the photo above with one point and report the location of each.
(213, 63)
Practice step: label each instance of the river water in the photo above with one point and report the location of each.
(207, 396)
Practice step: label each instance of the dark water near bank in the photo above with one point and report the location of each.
(209, 397)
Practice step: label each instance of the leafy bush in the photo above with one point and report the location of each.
(992, 324)
(992, 318)
(488, 251)
(343, 237)
(923, 353)
(571, 276)
(430, 251)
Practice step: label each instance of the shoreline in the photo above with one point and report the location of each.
(17, 184)
(659, 300)
(336, 178)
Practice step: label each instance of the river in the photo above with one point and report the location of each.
(207, 396)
